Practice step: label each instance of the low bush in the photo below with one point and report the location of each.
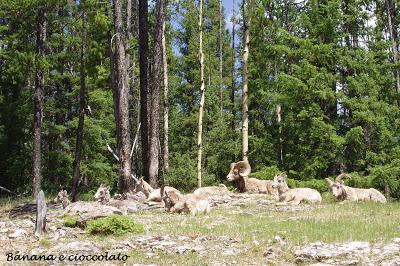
(266, 173)
(114, 225)
(70, 221)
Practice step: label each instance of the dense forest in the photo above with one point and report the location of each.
(179, 89)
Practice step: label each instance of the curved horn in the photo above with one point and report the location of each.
(339, 177)
(244, 168)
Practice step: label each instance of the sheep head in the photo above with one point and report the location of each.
(239, 170)
(170, 199)
(337, 188)
(280, 183)
(62, 194)
(143, 186)
(103, 194)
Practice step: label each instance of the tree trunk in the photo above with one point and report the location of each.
(143, 66)
(122, 94)
(82, 104)
(245, 110)
(279, 118)
(233, 69)
(157, 77)
(38, 100)
(166, 104)
(220, 57)
(202, 93)
(393, 36)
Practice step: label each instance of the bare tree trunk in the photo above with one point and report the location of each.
(144, 65)
(166, 104)
(38, 100)
(221, 95)
(157, 76)
(233, 73)
(202, 93)
(82, 104)
(394, 38)
(245, 110)
(122, 94)
(278, 114)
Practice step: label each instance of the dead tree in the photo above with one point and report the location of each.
(41, 211)
(166, 105)
(245, 112)
(202, 93)
(38, 99)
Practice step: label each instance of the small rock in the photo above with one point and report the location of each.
(231, 251)
(269, 253)
(17, 233)
(279, 240)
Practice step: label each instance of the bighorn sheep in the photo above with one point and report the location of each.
(151, 193)
(190, 203)
(346, 193)
(295, 196)
(239, 173)
(103, 194)
(62, 197)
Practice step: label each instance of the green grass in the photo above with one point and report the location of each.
(327, 222)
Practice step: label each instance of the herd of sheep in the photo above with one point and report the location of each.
(201, 199)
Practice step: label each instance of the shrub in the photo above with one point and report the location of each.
(266, 173)
(70, 221)
(114, 224)
(387, 177)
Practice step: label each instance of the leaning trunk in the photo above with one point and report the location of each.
(202, 93)
(122, 109)
(82, 103)
(38, 100)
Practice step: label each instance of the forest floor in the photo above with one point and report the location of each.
(248, 230)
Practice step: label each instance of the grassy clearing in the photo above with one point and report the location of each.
(327, 223)
(250, 228)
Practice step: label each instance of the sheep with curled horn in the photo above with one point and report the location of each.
(294, 196)
(239, 173)
(345, 193)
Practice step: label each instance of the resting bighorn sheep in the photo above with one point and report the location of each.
(62, 197)
(295, 196)
(346, 193)
(189, 203)
(239, 174)
(151, 193)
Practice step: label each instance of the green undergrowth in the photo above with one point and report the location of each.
(114, 225)
(70, 220)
